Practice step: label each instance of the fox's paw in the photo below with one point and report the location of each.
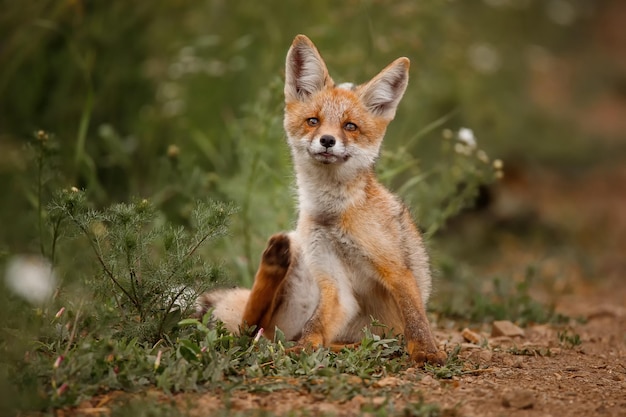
(422, 357)
(307, 343)
(298, 349)
(339, 347)
(421, 354)
(312, 340)
(277, 253)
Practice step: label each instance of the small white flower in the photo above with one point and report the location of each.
(466, 136)
(31, 277)
(497, 164)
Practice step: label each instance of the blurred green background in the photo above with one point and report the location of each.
(178, 100)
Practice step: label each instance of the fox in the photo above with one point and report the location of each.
(356, 254)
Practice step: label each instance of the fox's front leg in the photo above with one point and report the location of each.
(336, 307)
(267, 290)
(420, 340)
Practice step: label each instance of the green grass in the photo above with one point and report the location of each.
(200, 359)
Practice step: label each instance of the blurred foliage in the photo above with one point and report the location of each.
(122, 86)
(466, 297)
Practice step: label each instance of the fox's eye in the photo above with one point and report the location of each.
(312, 121)
(351, 127)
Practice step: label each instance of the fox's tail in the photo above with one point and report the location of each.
(227, 305)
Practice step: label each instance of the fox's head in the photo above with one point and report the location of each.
(341, 125)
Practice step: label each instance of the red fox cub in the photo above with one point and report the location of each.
(356, 253)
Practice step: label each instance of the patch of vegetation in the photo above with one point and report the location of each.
(202, 357)
(149, 271)
(569, 339)
(453, 366)
(529, 351)
(218, 354)
(465, 299)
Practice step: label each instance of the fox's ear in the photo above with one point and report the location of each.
(382, 93)
(305, 70)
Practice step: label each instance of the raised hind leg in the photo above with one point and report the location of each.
(268, 288)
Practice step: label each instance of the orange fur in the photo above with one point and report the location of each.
(265, 296)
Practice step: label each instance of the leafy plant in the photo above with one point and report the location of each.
(258, 357)
(149, 270)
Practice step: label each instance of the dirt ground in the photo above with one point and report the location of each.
(538, 374)
(589, 380)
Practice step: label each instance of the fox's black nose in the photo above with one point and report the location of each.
(327, 141)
